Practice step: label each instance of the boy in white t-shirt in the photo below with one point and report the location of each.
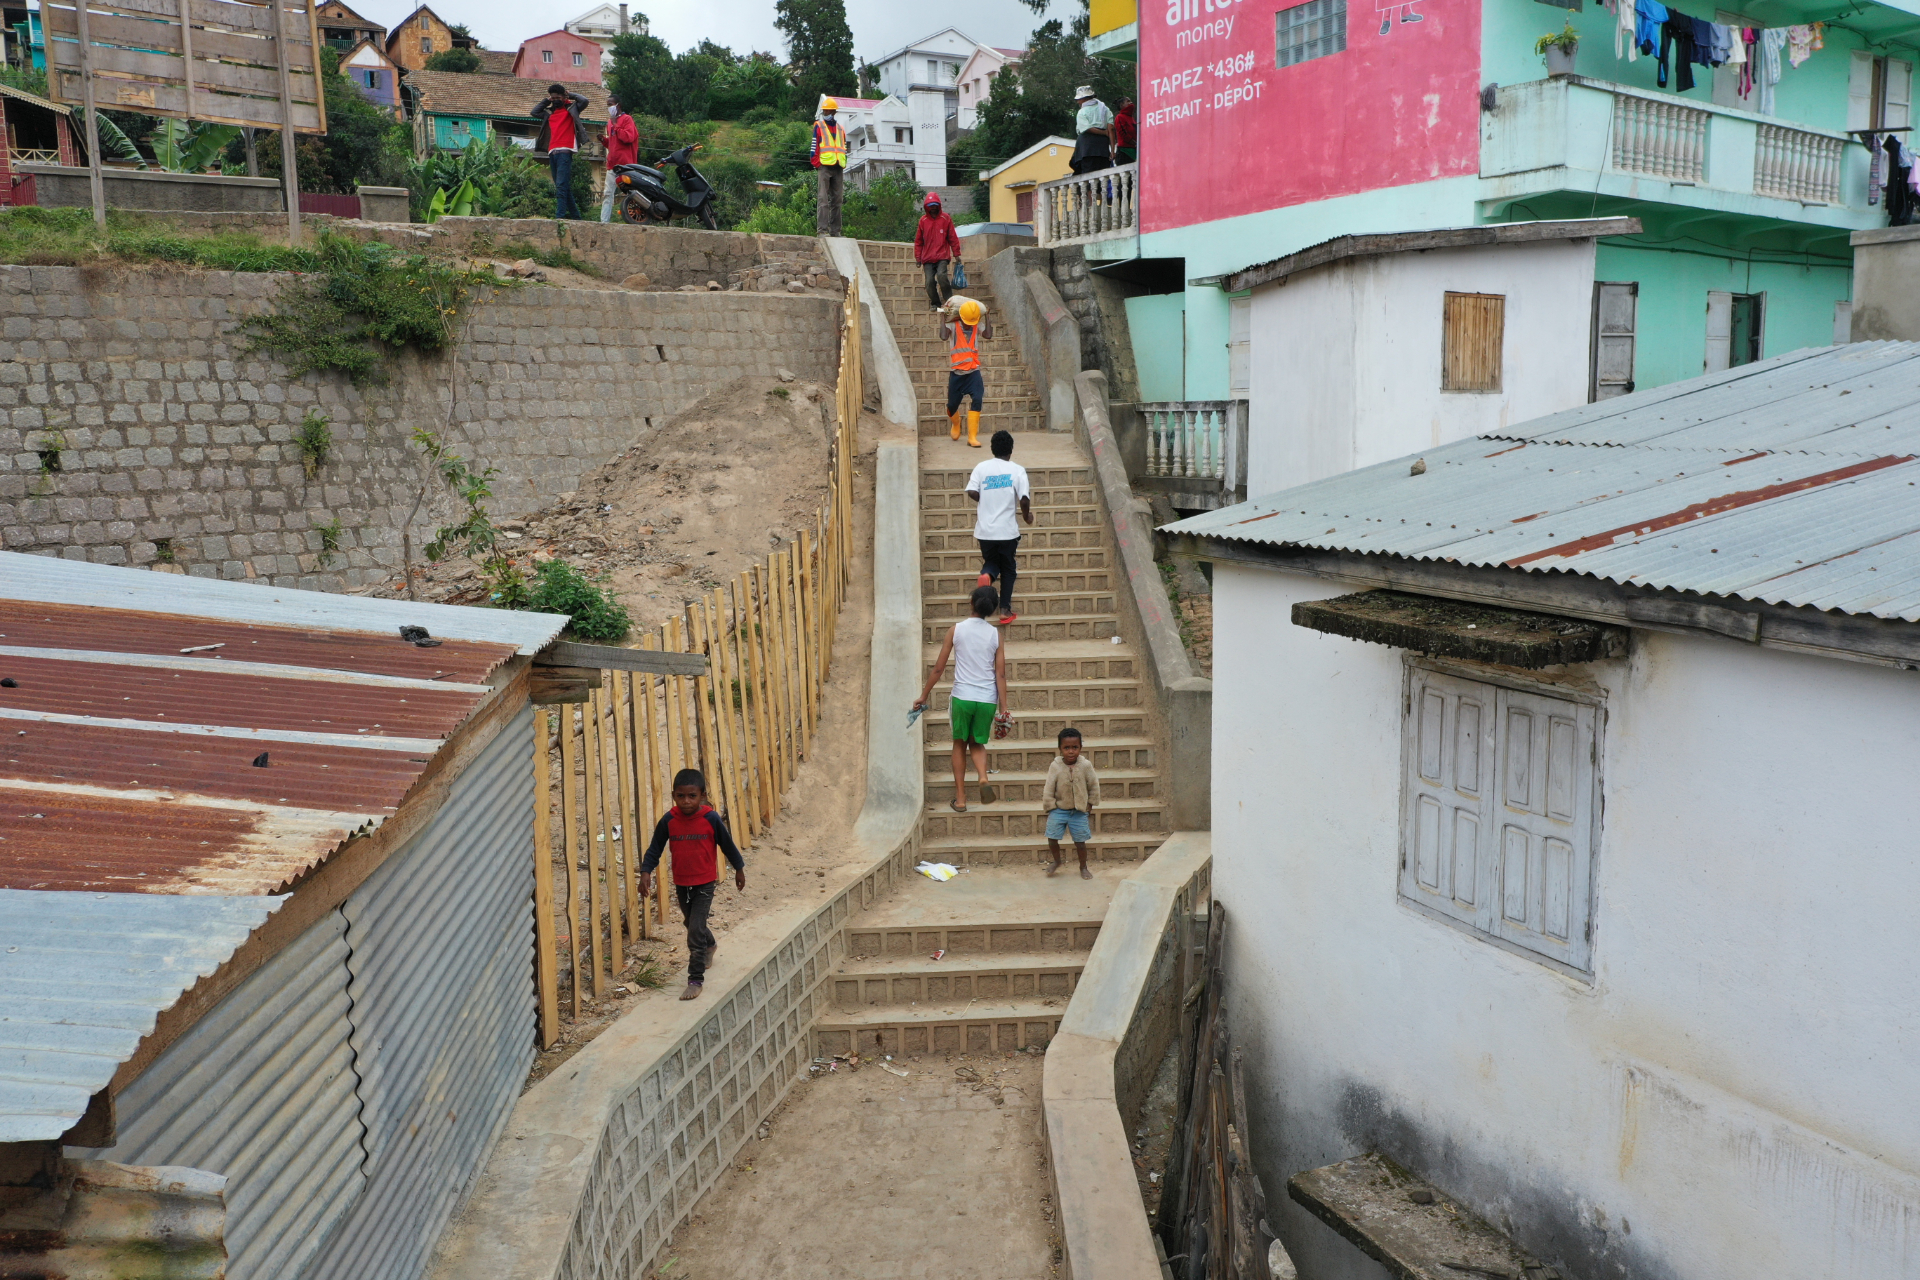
(979, 691)
(999, 486)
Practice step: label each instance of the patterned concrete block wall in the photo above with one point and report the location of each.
(669, 1140)
(135, 427)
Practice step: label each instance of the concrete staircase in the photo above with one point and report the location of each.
(1015, 940)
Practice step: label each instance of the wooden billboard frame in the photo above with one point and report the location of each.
(239, 66)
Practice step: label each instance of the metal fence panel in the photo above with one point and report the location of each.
(441, 944)
(262, 1090)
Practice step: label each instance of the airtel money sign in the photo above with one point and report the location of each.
(1247, 106)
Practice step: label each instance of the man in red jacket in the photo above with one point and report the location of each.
(935, 242)
(699, 836)
(623, 147)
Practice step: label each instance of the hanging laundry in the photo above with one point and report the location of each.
(1772, 40)
(1736, 46)
(1676, 42)
(1625, 19)
(1718, 45)
(1801, 42)
(1748, 37)
(1900, 195)
(1875, 174)
(1649, 16)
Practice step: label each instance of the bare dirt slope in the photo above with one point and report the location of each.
(696, 499)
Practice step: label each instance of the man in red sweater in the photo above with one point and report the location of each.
(935, 242)
(623, 147)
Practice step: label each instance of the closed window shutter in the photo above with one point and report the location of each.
(1898, 91)
(1449, 777)
(1499, 801)
(1474, 332)
(1719, 331)
(1023, 206)
(1860, 92)
(1615, 317)
(1239, 347)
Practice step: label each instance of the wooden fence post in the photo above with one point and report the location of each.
(567, 808)
(546, 965)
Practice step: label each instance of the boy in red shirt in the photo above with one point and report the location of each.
(935, 242)
(699, 836)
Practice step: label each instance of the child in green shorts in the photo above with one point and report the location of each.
(979, 690)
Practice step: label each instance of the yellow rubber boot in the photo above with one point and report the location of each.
(973, 427)
(954, 418)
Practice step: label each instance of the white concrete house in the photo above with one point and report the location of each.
(604, 24)
(887, 134)
(932, 63)
(976, 79)
(1365, 347)
(1617, 952)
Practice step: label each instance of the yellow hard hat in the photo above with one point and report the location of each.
(829, 104)
(969, 312)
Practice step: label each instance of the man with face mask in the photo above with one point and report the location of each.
(830, 158)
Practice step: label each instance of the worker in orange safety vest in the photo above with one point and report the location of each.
(830, 158)
(965, 325)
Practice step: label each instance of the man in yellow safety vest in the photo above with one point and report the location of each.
(830, 158)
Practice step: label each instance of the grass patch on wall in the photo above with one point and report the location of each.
(35, 237)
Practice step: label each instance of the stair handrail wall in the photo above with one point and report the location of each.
(1146, 612)
(1123, 1015)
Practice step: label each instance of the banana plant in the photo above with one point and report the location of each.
(181, 147)
(461, 202)
(115, 143)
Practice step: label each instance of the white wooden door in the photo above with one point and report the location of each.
(1719, 331)
(1616, 307)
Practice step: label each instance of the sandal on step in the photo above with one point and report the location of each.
(956, 806)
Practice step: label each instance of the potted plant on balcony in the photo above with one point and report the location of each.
(1558, 47)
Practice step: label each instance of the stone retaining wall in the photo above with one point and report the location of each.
(136, 429)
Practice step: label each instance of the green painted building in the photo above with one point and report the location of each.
(1268, 126)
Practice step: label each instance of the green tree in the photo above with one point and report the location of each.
(1033, 98)
(647, 79)
(456, 59)
(819, 48)
(362, 145)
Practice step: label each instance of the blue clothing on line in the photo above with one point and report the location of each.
(1648, 15)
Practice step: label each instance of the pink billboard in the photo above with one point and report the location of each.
(1248, 105)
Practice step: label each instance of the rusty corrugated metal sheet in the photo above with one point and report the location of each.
(27, 624)
(301, 774)
(245, 701)
(1794, 481)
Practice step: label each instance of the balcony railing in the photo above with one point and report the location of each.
(1203, 441)
(1661, 138)
(34, 155)
(1577, 133)
(1797, 165)
(1088, 207)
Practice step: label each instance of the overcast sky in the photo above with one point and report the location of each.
(879, 26)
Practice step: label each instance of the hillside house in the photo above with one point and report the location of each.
(975, 79)
(1442, 115)
(1010, 186)
(559, 56)
(1595, 914)
(367, 67)
(453, 109)
(343, 29)
(33, 130)
(419, 36)
(605, 24)
(888, 134)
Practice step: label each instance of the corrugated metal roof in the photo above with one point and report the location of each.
(168, 734)
(99, 586)
(1792, 481)
(83, 977)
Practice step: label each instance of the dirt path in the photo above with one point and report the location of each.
(812, 832)
(864, 1174)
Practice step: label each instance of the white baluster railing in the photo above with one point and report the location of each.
(1797, 165)
(1087, 207)
(1197, 440)
(1665, 139)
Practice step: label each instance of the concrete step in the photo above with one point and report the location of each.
(1029, 604)
(1046, 520)
(1063, 699)
(1023, 787)
(1045, 494)
(901, 983)
(1039, 478)
(1007, 852)
(1022, 823)
(1032, 560)
(1043, 729)
(1011, 756)
(1030, 627)
(971, 1028)
(955, 538)
(958, 586)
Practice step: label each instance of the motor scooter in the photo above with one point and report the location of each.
(644, 197)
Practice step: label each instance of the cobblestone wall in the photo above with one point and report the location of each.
(1099, 304)
(136, 429)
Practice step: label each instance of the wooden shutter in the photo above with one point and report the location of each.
(1896, 93)
(1499, 809)
(1239, 342)
(1023, 207)
(1449, 781)
(1860, 91)
(1616, 306)
(1719, 331)
(1473, 334)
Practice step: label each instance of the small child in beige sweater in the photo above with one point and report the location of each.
(1068, 798)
